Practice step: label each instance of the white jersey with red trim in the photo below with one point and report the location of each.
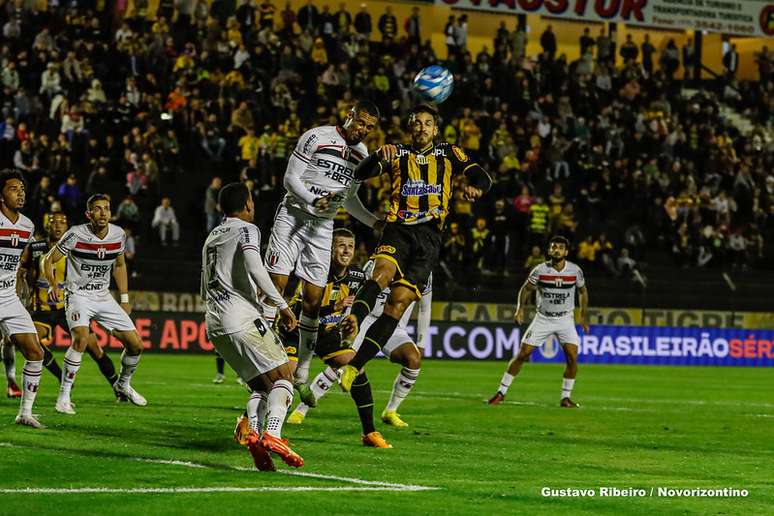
(329, 168)
(226, 286)
(90, 259)
(556, 289)
(14, 238)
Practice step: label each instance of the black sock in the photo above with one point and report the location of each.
(365, 300)
(364, 401)
(219, 363)
(50, 363)
(377, 336)
(107, 369)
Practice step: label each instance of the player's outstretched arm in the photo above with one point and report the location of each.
(122, 282)
(479, 181)
(261, 277)
(53, 256)
(376, 163)
(525, 292)
(583, 300)
(354, 207)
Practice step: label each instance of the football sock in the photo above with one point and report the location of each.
(220, 364)
(128, 366)
(72, 362)
(280, 398)
(376, 336)
(567, 385)
(307, 340)
(365, 300)
(107, 368)
(404, 382)
(31, 380)
(323, 382)
(49, 362)
(254, 408)
(364, 401)
(9, 360)
(505, 383)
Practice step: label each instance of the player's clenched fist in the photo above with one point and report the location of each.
(388, 152)
(288, 319)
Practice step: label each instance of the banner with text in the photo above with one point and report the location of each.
(604, 344)
(743, 17)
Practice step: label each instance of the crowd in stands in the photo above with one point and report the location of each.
(605, 149)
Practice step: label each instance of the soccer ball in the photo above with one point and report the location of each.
(434, 84)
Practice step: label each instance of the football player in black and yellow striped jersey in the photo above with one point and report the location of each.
(423, 175)
(48, 314)
(344, 280)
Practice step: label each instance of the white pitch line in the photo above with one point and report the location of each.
(171, 462)
(184, 490)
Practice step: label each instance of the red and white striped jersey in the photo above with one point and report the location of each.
(14, 237)
(556, 289)
(90, 259)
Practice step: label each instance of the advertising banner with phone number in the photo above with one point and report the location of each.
(604, 344)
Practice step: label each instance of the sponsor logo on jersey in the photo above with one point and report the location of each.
(408, 214)
(419, 189)
(385, 249)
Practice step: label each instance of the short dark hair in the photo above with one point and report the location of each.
(233, 198)
(96, 197)
(343, 233)
(368, 107)
(423, 108)
(559, 239)
(8, 174)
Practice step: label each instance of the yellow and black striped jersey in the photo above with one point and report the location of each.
(338, 287)
(38, 250)
(422, 182)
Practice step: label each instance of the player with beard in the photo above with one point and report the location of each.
(319, 179)
(555, 282)
(422, 178)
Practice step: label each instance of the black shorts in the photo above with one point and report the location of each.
(329, 345)
(414, 249)
(48, 320)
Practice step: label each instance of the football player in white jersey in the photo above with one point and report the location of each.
(400, 348)
(232, 276)
(555, 282)
(16, 232)
(319, 180)
(94, 250)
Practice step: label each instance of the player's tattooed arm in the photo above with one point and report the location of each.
(525, 292)
(376, 163)
(583, 300)
(53, 256)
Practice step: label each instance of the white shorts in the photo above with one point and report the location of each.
(399, 337)
(251, 352)
(81, 310)
(14, 318)
(300, 242)
(541, 328)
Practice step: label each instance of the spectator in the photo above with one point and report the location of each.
(502, 228)
(164, 220)
(548, 43)
(388, 25)
(461, 35)
(538, 222)
(363, 25)
(647, 50)
(130, 251)
(586, 42)
(629, 50)
(454, 249)
(535, 258)
(450, 35)
(480, 243)
(70, 194)
(731, 61)
(413, 27)
(127, 214)
(211, 210)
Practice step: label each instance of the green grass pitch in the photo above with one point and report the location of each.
(639, 427)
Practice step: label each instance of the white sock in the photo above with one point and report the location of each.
(280, 398)
(323, 382)
(505, 383)
(307, 340)
(567, 385)
(404, 382)
(31, 379)
(9, 360)
(128, 366)
(72, 362)
(269, 312)
(254, 409)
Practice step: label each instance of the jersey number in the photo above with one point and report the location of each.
(212, 273)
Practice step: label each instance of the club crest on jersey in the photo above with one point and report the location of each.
(101, 253)
(14, 239)
(558, 282)
(75, 316)
(345, 152)
(272, 259)
(421, 159)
